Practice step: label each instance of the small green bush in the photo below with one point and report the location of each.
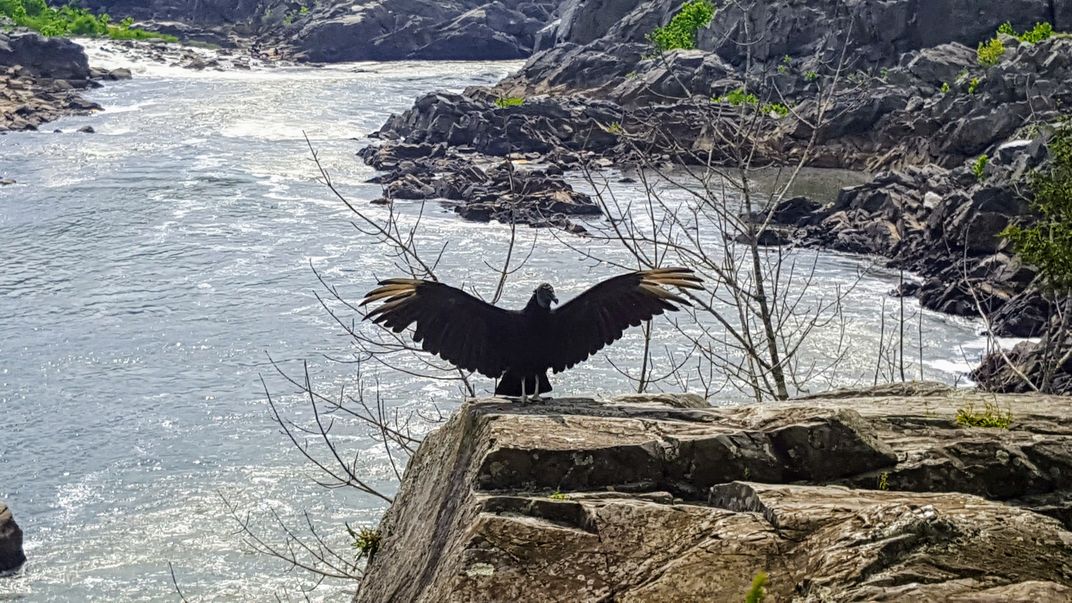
(366, 541)
(811, 76)
(945, 88)
(758, 591)
(989, 53)
(973, 85)
(738, 97)
(778, 109)
(556, 495)
(979, 166)
(990, 416)
(72, 21)
(510, 101)
(680, 32)
(884, 481)
(1041, 31)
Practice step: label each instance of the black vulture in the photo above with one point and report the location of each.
(519, 346)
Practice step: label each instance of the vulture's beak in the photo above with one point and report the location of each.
(554, 298)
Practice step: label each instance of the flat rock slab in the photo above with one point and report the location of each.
(656, 498)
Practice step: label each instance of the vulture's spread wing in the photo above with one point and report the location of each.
(599, 316)
(462, 329)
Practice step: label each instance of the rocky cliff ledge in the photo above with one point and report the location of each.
(11, 555)
(850, 496)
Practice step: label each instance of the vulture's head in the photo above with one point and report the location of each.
(545, 295)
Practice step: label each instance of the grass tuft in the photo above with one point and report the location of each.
(990, 416)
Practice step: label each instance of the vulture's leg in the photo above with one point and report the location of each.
(523, 399)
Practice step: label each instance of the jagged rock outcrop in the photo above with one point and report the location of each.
(11, 554)
(849, 496)
(611, 34)
(39, 80)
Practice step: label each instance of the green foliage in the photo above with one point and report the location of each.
(742, 98)
(945, 87)
(1047, 244)
(72, 21)
(884, 481)
(1038, 33)
(680, 32)
(811, 76)
(758, 591)
(989, 53)
(1041, 31)
(366, 541)
(990, 416)
(504, 102)
(973, 85)
(556, 495)
(615, 128)
(777, 109)
(289, 18)
(978, 166)
(738, 97)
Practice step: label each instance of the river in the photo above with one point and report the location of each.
(147, 271)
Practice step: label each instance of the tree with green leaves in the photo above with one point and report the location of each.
(680, 32)
(1046, 243)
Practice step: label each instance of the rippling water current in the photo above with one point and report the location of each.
(148, 270)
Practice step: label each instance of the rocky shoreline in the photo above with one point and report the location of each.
(41, 80)
(853, 495)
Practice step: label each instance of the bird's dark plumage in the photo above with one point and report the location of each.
(518, 346)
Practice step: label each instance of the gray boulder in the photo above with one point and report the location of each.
(11, 555)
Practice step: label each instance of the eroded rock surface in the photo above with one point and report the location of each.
(857, 496)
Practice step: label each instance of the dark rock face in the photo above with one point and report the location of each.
(661, 501)
(880, 31)
(351, 31)
(52, 58)
(415, 29)
(1046, 364)
(11, 555)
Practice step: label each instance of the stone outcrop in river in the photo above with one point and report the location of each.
(846, 496)
(40, 80)
(11, 555)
